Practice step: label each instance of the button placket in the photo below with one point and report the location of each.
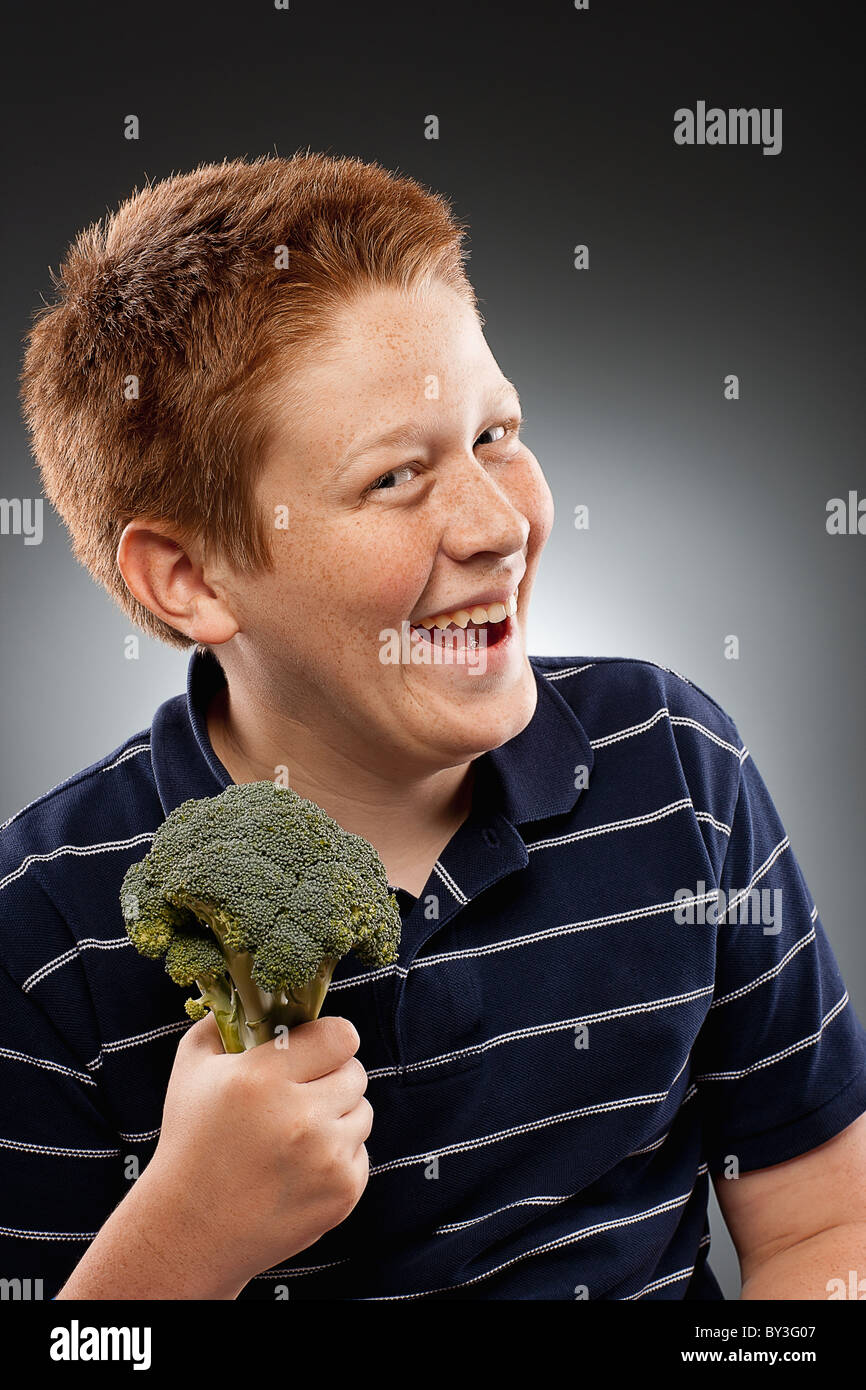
(477, 857)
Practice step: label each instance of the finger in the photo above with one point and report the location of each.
(203, 1037)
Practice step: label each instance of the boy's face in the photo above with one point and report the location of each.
(461, 511)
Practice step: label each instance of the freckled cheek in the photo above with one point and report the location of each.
(393, 582)
(364, 577)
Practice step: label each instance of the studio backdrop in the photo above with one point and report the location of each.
(665, 207)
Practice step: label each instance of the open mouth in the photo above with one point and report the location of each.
(479, 626)
(494, 632)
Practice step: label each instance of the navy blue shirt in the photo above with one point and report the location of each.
(614, 985)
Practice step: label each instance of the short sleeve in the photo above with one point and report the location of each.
(780, 1060)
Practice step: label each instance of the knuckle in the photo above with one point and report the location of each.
(362, 1174)
(360, 1072)
(188, 1040)
(300, 1120)
(339, 1177)
(342, 1030)
(352, 1189)
(240, 1085)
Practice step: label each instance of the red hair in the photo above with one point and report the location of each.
(200, 287)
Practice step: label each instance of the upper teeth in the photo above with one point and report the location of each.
(493, 613)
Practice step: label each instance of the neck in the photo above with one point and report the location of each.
(407, 818)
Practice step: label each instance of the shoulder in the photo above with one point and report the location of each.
(102, 797)
(649, 726)
(63, 855)
(601, 689)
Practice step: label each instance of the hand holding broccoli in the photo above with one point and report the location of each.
(283, 1129)
(259, 1155)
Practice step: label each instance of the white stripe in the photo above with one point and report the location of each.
(23, 1147)
(672, 672)
(558, 1244)
(47, 1065)
(628, 823)
(138, 1038)
(778, 1056)
(645, 725)
(367, 977)
(631, 730)
(47, 1235)
(107, 847)
(540, 1029)
(88, 942)
(300, 1269)
(708, 733)
(648, 1148)
(466, 1145)
(144, 1138)
(130, 753)
(60, 785)
(657, 1143)
(511, 943)
(567, 671)
(521, 1202)
(572, 670)
(452, 887)
(674, 1278)
(719, 824)
(768, 863)
(768, 974)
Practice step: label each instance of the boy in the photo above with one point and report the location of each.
(266, 411)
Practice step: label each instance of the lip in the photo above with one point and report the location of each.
(482, 600)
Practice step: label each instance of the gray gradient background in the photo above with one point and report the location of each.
(707, 516)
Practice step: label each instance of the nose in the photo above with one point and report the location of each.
(479, 515)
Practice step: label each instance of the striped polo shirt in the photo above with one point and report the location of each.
(614, 986)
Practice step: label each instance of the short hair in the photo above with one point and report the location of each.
(201, 286)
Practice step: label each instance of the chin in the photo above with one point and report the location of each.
(496, 719)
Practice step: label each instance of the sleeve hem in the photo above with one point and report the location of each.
(800, 1135)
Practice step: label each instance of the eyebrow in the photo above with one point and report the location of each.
(410, 433)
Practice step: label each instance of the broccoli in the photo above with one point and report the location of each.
(254, 895)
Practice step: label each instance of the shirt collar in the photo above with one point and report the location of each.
(532, 777)
(184, 763)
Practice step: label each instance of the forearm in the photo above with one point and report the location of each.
(804, 1270)
(148, 1249)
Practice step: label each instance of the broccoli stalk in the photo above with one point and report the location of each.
(255, 895)
(245, 1013)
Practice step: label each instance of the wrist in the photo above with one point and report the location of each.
(152, 1247)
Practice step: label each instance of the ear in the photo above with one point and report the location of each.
(169, 580)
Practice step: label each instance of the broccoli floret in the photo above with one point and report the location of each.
(255, 895)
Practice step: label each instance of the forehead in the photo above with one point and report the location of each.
(387, 356)
(387, 336)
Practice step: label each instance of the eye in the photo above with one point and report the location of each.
(502, 431)
(506, 430)
(383, 485)
(492, 429)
